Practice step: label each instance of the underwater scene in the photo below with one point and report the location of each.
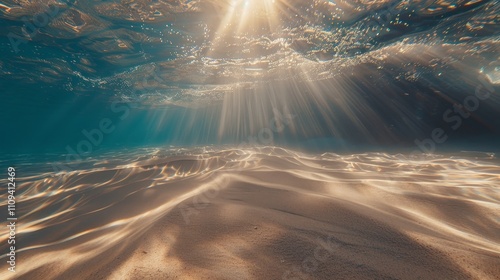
(250, 139)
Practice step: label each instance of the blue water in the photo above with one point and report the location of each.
(354, 75)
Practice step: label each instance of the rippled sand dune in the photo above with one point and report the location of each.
(262, 213)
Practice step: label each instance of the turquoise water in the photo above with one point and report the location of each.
(319, 75)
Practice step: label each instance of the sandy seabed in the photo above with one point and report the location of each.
(261, 213)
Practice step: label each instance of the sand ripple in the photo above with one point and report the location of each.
(259, 214)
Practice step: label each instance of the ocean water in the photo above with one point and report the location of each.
(124, 99)
(346, 74)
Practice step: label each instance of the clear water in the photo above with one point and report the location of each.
(349, 75)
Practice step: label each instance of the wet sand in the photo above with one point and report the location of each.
(263, 213)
